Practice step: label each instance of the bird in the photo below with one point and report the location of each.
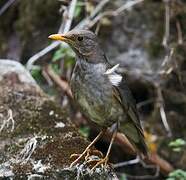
(101, 92)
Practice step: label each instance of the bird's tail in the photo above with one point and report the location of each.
(135, 136)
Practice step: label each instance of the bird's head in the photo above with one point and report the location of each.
(83, 42)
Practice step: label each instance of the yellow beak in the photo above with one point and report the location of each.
(60, 37)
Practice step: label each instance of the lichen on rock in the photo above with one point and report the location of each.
(35, 147)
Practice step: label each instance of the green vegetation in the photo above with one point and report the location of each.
(177, 145)
(84, 131)
(177, 175)
(78, 10)
(36, 74)
(123, 177)
(65, 53)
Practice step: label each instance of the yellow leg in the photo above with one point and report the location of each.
(105, 159)
(93, 152)
(88, 147)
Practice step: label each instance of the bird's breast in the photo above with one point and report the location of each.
(93, 93)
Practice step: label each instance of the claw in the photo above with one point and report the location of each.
(97, 153)
(92, 163)
(78, 157)
(93, 152)
(103, 161)
(86, 152)
(73, 156)
(89, 153)
(87, 156)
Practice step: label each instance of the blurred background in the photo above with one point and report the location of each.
(146, 37)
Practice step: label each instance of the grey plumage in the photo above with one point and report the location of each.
(94, 93)
(103, 101)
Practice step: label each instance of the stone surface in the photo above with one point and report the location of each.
(36, 135)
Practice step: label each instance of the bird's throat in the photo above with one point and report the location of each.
(90, 68)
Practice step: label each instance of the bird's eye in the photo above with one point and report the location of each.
(80, 38)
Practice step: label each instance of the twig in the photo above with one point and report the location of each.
(70, 17)
(165, 167)
(166, 67)
(127, 6)
(61, 83)
(125, 163)
(122, 140)
(180, 36)
(55, 44)
(167, 58)
(99, 8)
(153, 161)
(164, 120)
(98, 28)
(144, 103)
(162, 111)
(86, 23)
(167, 23)
(66, 24)
(179, 76)
(6, 6)
(147, 166)
(116, 12)
(46, 76)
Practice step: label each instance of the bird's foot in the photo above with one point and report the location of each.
(77, 158)
(86, 152)
(103, 162)
(86, 155)
(93, 153)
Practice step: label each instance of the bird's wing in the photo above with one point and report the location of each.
(131, 127)
(124, 96)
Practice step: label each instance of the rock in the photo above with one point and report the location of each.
(8, 67)
(36, 135)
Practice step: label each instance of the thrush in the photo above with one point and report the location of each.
(101, 93)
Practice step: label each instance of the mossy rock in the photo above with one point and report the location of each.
(39, 137)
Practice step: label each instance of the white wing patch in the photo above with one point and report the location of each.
(114, 78)
(112, 70)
